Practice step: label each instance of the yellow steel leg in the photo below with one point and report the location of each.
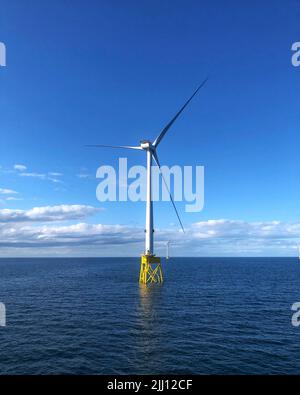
(150, 271)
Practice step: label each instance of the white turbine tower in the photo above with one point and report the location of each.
(150, 264)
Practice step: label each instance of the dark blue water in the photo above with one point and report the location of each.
(90, 316)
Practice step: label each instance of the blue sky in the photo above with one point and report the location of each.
(113, 72)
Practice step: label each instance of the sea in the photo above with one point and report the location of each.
(91, 316)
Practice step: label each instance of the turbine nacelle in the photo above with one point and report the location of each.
(146, 145)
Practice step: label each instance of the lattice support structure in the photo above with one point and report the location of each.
(150, 271)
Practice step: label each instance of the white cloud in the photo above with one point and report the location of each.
(223, 228)
(83, 175)
(9, 198)
(55, 180)
(25, 231)
(34, 175)
(76, 236)
(55, 174)
(47, 213)
(5, 191)
(51, 176)
(20, 167)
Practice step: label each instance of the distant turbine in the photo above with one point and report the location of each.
(150, 271)
(168, 248)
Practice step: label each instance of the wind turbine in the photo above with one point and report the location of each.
(168, 248)
(150, 271)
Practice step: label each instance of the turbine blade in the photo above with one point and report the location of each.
(155, 157)
(167, 127)
(113, 146)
